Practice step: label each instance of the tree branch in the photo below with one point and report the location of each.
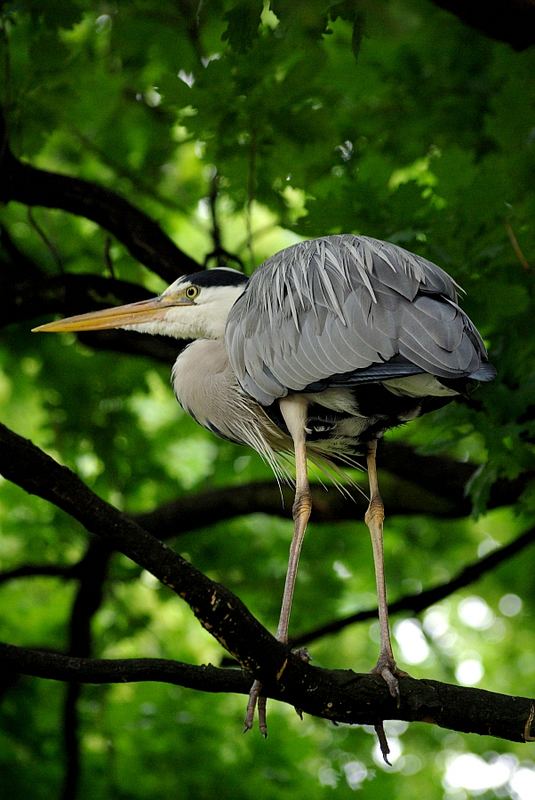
(337, 695)
(92, 570)
(333, 694)
(401, 497)
(217, 609)
(67, 294)
(65, 571)
(73, 294)
(142, 237)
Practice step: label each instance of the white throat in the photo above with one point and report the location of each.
(205, 319)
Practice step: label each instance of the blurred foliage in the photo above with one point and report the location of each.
(387, 118)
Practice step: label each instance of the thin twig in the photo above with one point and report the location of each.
(46, 241)
(516, 247)
(67, 572)
(108, 260)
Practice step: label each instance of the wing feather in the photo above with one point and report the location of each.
(347, 308)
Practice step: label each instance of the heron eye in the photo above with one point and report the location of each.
(192, 292)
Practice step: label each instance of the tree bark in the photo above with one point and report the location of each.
(337, 695)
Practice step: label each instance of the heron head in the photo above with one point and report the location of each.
(193, 307)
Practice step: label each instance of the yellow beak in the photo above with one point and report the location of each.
(130, 314)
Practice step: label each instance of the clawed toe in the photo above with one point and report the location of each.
(390, 673)
(256, 701)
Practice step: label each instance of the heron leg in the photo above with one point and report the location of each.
(294, 412)
(386, 665)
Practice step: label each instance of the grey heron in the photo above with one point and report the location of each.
(330, 343)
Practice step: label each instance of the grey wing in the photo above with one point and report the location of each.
(347, 309)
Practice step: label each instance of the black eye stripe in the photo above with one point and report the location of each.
(216, 277)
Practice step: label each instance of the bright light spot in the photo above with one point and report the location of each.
(395, 727)
(475, 613)
(436, 623)
(341, 570)
(327, 777)
(523, 784)
(148, 580)
(468, 771)
(89, 465)
(510, 605)
(414, 648)
(469, 672)
(203, 208)
(205, 60)
(103, 22)
(487, 546)
(153, 97)
(187, 77)
(355, 773)
(345, 150)
(411, 764)
(393, 756)
(496, 632)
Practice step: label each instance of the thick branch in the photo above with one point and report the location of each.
(223, 614)
(143, 237)
(338, 695)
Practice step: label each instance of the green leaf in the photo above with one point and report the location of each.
(243, 21)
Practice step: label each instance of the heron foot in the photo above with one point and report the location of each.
(256, 701)
(383, 742)
(389, 671)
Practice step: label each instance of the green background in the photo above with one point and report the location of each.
(391, 119)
